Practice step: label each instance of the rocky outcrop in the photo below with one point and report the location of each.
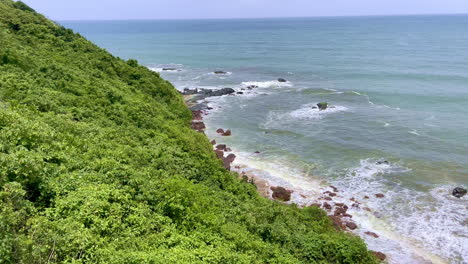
(281, 194)
(322, 106)
(459, 192)
(204, 93)
(220, 131)
(282, 80)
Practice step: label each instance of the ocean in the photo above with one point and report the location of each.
(397, 124)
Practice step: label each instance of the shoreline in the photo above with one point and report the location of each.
(324, 197)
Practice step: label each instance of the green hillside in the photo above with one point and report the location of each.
(98, 164)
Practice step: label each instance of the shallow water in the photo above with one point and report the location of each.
(399, 91)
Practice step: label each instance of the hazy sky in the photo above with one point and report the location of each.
(173, 9)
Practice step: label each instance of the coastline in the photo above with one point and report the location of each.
(323, 196)
(348, 214)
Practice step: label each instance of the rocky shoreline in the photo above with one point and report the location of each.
(337, 211)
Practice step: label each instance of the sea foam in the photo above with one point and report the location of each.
(268, 84)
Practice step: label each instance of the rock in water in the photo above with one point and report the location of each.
(169, 69)
(220, 131)
(351, 225)
(280, 193)
(282, 80)
(227, 133)
(322, 106)
(459, 192)
(220, 72)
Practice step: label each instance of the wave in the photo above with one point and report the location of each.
(267, 84)
(308, 112)
(415, 226)
(167, 68)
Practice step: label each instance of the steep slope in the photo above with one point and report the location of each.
(98, 164)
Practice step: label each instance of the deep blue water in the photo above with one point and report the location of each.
(399, 90)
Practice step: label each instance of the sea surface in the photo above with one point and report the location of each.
(398, 91)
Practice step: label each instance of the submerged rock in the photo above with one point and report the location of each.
(382, 162)
(282, 80)
(169, 69)
(220, 72)
(250, 87)
(280, 193)
(459, 192)
(372, 234)
(322, 106)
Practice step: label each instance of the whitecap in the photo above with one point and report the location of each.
(308, 112)
(268, 84)
(414, 132)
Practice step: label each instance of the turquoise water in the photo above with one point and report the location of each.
(399, 88)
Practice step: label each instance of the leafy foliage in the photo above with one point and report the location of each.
(98, 164)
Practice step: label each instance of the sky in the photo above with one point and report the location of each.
(201, 9)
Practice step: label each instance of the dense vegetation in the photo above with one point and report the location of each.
(98, 164)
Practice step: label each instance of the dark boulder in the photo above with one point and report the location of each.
(231, 158)
(197, 115)
(220, 72)
(199, 126)
(372, 234)
(169, 69)
(227, 133)
(351, 225)
(322, 106)
(382, 162)
(219, 154)
(379, 195)
(240, 93)
(282, 80)
(213, 142)
(280, 193)
(220, 131)
(250, 87)
(326, 206)
(379, 255)
(221, 147)
(337, 222)
(459, 192)
(227, 164)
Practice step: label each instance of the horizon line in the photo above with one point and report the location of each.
(251, 18)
